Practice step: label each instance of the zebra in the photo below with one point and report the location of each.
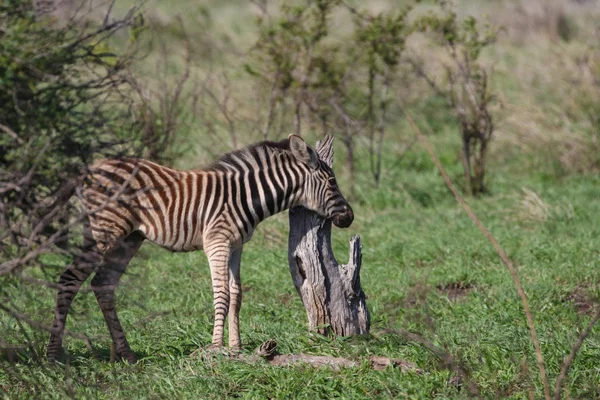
(216, 209)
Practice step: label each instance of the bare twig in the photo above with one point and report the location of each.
(43, 247)
(499, 250)
(569, 359)
(272, 106)
(11, 133)
(224, 107)
(420, 71)
(107, 15)
(18, 316)
(262, 6)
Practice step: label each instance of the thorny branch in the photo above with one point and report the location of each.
(44, 246)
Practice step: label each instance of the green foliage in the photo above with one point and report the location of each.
(453, 32)
(293, 49)
(67, 98)
(467, 87)
(341, 85)
(381, 37)
(52, 84)
(64, 91)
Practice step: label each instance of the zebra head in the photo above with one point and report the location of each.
(321, 193)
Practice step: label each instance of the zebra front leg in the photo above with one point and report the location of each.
(235, 300)
(218, 258)
(104, 284)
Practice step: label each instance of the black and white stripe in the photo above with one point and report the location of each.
(216, 209)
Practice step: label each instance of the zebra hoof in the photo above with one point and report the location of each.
(209, 351)
(129, 357)
(234, 351)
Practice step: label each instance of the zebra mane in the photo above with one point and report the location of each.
(224, 162)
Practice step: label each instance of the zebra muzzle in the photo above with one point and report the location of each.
(344, 219)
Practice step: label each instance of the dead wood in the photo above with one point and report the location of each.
(331, 293)
(268, 352)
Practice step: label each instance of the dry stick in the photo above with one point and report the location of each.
(569, 359)
(36, 324)
(268, 352)
(501, 253)
(11, 133)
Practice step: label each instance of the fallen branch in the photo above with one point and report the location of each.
(268, 352)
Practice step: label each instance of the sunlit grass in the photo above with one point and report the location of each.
(411, 252)
(417, 243)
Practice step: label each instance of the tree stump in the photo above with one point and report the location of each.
(331, 293)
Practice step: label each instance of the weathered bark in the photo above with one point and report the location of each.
(268, 351)
(330, 292)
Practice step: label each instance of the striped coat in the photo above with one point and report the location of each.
(215, 209)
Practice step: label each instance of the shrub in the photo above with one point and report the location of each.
(467, 86)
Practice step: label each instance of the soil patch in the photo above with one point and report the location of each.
(455, 290)
(583, 302)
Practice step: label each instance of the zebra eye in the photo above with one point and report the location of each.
(332, 181)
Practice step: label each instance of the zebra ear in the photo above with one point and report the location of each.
(303, 152)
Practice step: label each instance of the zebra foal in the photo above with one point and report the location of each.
(215, 209)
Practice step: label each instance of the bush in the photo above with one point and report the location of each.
(66, 99)
(64, 96)
(467, 86)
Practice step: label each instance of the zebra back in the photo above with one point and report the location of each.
(176, 208)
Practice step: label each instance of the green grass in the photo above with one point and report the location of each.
(411, 248)
(416, 240)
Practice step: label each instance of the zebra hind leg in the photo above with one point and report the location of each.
(218, 258)
(69, 283)
(104, 284)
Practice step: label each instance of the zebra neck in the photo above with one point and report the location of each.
(281, 186)
(259, 192)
